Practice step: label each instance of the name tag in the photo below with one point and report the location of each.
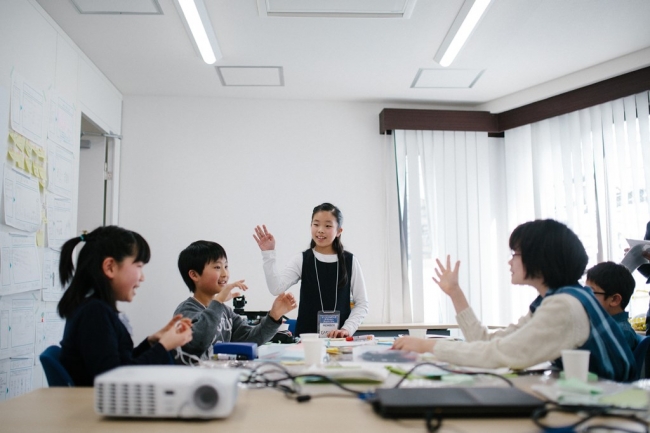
(328, 321)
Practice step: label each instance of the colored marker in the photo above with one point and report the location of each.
(360, 338)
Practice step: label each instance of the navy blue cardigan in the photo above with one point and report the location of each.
(95, 340)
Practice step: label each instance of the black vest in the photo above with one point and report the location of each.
(310, 300)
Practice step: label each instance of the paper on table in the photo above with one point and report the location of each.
(634, 258)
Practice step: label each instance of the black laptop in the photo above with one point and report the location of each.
(456, 402)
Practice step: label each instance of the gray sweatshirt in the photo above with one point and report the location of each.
(219, 324)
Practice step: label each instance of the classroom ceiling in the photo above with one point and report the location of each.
(518, 44)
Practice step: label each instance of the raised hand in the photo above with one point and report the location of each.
(447, 277)
(227, 293)
(448, 282)
(283, 303)
(264, 239)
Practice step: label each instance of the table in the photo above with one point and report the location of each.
(393, 329)
(258, 410)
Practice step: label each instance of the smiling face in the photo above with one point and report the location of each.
(324, 229)
(213, 278)
(124, 276)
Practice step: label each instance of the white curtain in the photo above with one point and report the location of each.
(588, 169)
(462, 193)
(451, 201)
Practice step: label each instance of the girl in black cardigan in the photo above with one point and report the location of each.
(109, 269)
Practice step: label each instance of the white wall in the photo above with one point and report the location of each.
(197, 168)
(32, 45)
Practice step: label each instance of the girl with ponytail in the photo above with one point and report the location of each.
(333, 300)
(108, 269)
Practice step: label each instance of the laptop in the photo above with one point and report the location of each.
(456, 402)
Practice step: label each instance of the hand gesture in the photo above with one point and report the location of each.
(414, 344)
(339, 333)
(227, 292)
(282, 305)
(447, 277)
(154, 338)
(264, 239)
(178, 332)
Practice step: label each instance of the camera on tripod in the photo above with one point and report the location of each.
(239, 303)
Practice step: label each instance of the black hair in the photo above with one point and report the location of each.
(550, 250)
(196, 256)
(613, 278)
(337, 244)
(89, 279)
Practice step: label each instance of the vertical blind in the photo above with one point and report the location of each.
(462, 193)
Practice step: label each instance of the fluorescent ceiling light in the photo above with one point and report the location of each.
(463, 26)
(198, 22)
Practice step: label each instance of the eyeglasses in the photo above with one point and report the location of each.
(600, 293)
(514, 253)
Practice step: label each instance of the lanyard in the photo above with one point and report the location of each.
(336, 286)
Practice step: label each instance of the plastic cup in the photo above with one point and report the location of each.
(304, 337)
(576, 364)
(418, 332)
(313, 350)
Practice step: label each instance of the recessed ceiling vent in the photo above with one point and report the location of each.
(118, 7)
(336, 8)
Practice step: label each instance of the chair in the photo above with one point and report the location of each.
(292, 326)
(56, 374)
(641, 355)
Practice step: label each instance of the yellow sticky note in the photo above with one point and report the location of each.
(18, 157)
(28, 166)
(39, 151)
(18, 140)
(40, 238)
(29, 148)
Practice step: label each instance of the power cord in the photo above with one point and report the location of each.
(273, 375)
(451, 370)
(586, 413)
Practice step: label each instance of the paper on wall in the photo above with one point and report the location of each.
(59, 221)
(21, 270)
(22, 200)
(60, 170)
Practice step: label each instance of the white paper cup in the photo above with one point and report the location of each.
(304, 337)
(313, 348)
(576, 364)
(418, 332)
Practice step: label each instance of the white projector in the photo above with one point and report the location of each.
(169, 391)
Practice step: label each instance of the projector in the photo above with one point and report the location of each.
(166, 391)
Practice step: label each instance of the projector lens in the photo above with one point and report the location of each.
(206, 397)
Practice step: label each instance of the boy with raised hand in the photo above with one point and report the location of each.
(613, 286)
(204, 268)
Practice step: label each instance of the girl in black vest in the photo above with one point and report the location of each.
(333, 299)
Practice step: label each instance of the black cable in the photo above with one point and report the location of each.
(450, 370)
(428, 422)
(590, 412)
(261, 379)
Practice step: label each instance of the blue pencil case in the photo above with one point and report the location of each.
(241, 350)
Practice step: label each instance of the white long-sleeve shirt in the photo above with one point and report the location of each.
(278, 282)
(559, 323)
